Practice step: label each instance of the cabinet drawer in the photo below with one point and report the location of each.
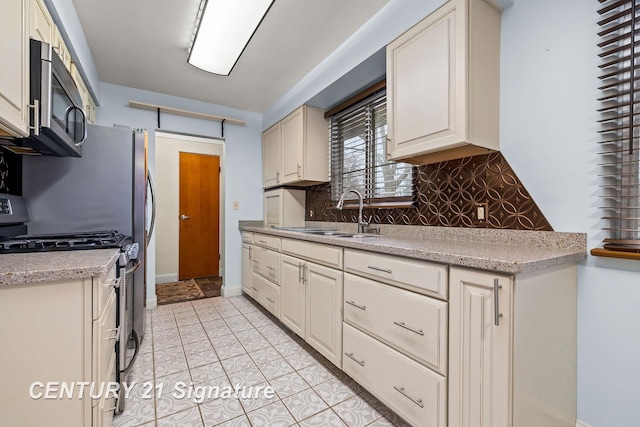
(270, 242)
(247, 237)
(322, 254)
(411, 323)
(420, 276)
(266, 263)
(416, 393)
(103, 288)
(104, 339)
(268, 295)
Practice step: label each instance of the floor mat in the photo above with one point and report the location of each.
(211, 286)
(185, 290)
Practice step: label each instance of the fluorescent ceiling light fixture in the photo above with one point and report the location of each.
(223, 30)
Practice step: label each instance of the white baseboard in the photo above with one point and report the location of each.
(231, 292)
(166, 278)
(152, 303)
(581, 424)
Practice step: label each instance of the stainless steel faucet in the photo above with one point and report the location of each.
(362, 224)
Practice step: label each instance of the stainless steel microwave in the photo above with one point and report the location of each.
(58, 124)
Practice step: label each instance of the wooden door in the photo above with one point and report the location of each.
(324, 311)
(480, 350)
(199, 216)
(293, 294)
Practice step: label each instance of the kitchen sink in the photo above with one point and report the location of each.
(324, 232)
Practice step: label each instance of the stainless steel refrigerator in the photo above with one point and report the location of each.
(105, 189)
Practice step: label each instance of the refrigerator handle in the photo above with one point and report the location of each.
(153, 208)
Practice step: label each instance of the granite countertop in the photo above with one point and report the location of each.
(507, 251)
(37, 267)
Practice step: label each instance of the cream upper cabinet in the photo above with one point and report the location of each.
(305, 147)
(295, 150)
(14, 69)
(60, 48)
(512, 354)
(443, 85)
(41, 26)
(271, 156)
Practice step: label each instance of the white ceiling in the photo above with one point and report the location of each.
(143, 44)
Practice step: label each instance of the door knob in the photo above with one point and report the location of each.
(183, 217)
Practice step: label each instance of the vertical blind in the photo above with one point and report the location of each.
(620, 122)
(358, 153)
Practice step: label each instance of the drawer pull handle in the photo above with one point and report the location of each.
(271, 268)
(409, 328)
(254, 288)
(353, 303)
(112, 282)
(264, 242)
(350, 356)
(271, 300)
(384, 270)
(411, 398)
(115, 336)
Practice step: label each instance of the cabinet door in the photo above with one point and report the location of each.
(42, 26)
(324, 311)
(246, 268)
(14, 68)
(271, 156)
(480, 351)
(426, 86)
(293, 294)
(293, 146)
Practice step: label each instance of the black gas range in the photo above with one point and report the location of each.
(65, 242)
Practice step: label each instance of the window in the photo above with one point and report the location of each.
(358, 136)
(620, 123)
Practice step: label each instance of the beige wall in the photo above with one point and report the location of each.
(168, 148)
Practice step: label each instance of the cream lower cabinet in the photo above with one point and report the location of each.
(14, 84)
(60, 333)
(293, 295)
(512, 356)
(324, 311)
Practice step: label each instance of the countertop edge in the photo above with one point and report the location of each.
(38, 274)
(555, 256)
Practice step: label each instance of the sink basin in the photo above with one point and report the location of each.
(330, 232)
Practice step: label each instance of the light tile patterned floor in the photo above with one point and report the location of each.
(228, 341)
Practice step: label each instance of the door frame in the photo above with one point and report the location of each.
(167, 158)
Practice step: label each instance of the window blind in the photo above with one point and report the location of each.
(620, 122)
(358, 154)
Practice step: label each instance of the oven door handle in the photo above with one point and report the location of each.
(134, 268)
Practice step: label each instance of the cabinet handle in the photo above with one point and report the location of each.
(353, 303)
(300, 273)
(277, 176)
(112, 282)
(271, 268)
(409, 328)
(271, 300)
(254, 288)
(350, 356)
(115, 336)
(384, 270)
(299, 170)
(250, 254)
(36, 117)
(264, 242)
(496, 302)
(411, 398)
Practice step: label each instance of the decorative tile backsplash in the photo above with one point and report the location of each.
(447, 194)
(10, 173)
